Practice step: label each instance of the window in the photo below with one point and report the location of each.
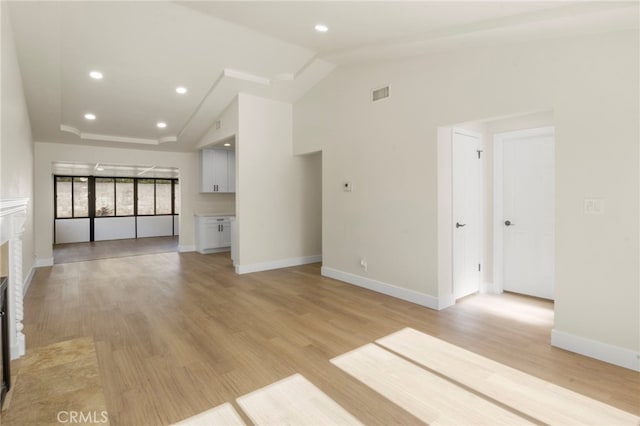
(176, 196)
(71, 197)
(80, 197)
(124, 197)
(115, 197)
(105, 200)
(146, 197)
(64, 196)
(163, 196)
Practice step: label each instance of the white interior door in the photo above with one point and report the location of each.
(527, 222)
(467, 213)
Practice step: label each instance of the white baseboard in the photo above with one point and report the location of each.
(27, 281)
(389, 289)
(488, 287)
(44, 262)
(592, 348)
(446, 301)
(185, 249)
(215, 250)
(277, 264)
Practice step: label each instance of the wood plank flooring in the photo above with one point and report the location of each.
(179, 334)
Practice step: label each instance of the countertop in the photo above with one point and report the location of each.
(215, 214)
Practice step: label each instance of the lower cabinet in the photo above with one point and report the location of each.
(213, 233)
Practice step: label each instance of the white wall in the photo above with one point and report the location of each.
(389, 150)
(155, 226)
(46, 153)
(72, 231)
(16, 145)
(228, 126)
(278, 194)
(111, 228)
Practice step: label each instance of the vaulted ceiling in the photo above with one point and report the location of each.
(216, 49)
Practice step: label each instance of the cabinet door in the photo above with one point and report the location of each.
(206, 170)
(209, 236)
(220, 166)
(231, 167)
(225, 234)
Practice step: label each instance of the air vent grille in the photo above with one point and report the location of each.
(217, 124)
(380, 93)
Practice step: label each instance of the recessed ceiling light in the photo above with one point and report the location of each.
(227, 144)
(96, 75)
(182, 90)
(100, 169)
(90, 116)
(321, 28)
(161, 124)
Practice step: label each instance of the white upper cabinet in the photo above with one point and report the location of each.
(218, 170)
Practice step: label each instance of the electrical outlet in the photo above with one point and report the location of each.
(363, 264)
(594, 206)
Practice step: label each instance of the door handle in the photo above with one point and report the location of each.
(508, 223)
(460, 225)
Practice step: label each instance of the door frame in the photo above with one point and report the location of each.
(481, 210)
(498, 207)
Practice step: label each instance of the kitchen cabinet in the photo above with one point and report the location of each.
(212, 233)
(217, 168)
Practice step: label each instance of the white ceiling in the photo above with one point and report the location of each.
(216, 49)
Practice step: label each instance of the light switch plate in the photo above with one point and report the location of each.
(346, 187)
(593, 206)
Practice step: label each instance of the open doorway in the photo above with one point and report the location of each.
(453, 250)
(107, 210)
(312, 201)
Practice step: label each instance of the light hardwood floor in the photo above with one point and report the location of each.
(178, 334)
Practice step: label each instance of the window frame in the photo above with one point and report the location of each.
(73, 204)
(91, 196)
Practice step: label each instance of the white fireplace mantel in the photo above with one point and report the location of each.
(13, 214)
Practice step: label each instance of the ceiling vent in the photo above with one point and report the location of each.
(381, 93)
(217, 124)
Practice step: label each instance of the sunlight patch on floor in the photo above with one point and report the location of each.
(294, 401)
(515, 309)
(427, 396)
(539, 399)
(223, 414)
